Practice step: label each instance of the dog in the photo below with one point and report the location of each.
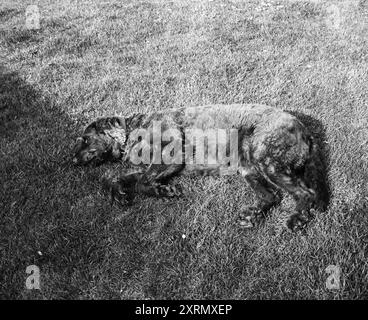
(270, 148)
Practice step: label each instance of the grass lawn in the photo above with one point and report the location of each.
(93, 58)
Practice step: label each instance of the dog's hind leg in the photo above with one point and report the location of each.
(267, 195)
(304, 196)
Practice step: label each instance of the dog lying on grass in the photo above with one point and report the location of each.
(270, 148)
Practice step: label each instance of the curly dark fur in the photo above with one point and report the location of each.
(276, 152)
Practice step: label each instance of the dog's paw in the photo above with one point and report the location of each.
(251, 217)
(166, 191)
(297, 221)
(118, 191)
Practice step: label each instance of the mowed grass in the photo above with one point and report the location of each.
(93, 58)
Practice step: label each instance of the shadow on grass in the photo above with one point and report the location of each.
(51, 212)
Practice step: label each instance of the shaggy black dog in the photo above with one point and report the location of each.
(270, 148)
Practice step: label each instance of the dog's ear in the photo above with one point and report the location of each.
(102, 125)
(117, 130)
(112, 130)
(119, 135)
(118, 122)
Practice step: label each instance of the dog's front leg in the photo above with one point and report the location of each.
(125, 185)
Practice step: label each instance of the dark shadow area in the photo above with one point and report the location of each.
(318, 132)
(50, 213)
(21, 105)
(7, 14)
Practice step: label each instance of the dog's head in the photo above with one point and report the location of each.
(103, 140)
